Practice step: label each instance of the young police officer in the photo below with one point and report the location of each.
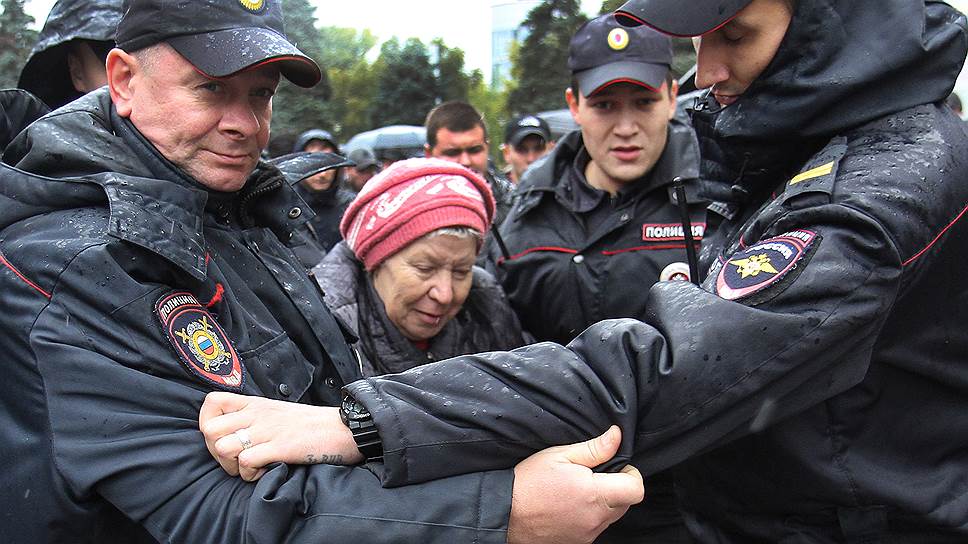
(597, 219)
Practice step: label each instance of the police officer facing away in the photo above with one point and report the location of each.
(143, 265)
(814, 387)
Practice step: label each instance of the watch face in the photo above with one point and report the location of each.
(353, 410)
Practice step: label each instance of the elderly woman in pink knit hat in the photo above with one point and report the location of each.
(404, 278)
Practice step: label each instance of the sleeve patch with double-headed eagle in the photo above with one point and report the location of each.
(199, 341)
(762, 264)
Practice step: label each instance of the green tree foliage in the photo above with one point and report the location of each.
(452, 82)
(16, 40)
(354, 93)
(407, 88)
(344, 48)
(295, 109)
(352, 79)
(540, 69)
(609, 6)
(404, 83)
(492, 103)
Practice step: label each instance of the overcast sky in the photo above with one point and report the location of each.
(461, 23)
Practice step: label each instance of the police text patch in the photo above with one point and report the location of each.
(762, 264)
(671, 232)
(199, 341)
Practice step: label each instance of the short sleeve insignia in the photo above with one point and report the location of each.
(199, 341)
(762, 264)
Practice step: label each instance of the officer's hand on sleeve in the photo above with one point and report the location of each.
(246, 433)
(557, 498)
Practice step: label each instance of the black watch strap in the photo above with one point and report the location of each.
(360, 422)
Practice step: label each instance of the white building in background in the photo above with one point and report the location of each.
(506, 19)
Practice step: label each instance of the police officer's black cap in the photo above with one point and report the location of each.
(219, 37)
(526, 125)
(604, 52)
(682, 18)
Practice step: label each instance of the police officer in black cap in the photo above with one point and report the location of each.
(143, 265)
(527, 138)
(599, 215)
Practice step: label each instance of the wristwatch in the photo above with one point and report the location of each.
(360, 422)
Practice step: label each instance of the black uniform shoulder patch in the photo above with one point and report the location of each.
(199, 341)
(763, 264)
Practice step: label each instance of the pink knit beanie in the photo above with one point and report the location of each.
(410, 199)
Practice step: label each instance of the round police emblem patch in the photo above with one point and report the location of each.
(199, 341)
(675, 272)
(255, 6)
(762, 264)
(618, 39)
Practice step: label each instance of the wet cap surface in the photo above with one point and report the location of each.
(683, 18)
(219, 37)
(604, 52)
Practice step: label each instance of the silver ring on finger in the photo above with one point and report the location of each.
(244, 438)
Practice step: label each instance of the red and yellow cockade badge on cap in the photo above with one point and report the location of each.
(255, 6)
(199, 341)
(618, 39)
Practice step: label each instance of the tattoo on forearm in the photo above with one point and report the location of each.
(324, 459)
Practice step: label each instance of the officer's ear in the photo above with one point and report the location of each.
(122, 68)
(572, 99)
(673, 94)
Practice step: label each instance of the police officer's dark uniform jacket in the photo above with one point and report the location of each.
(485, 322)
(563, 236)
(127, 296)
(18, 108)
(814, 388)
(311, 242)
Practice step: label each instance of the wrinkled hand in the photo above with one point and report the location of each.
(280, 432)
(558, 499)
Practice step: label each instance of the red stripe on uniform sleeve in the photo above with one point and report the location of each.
(22, 277)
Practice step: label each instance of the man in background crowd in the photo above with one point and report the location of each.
(366, 166)
(456, 132)
(321, 188)
(527, 138)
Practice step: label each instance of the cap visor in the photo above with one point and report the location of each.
(678, 17)
(639, 73)
(522, 134)
(225, 52)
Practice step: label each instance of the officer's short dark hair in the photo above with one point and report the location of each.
(577, 92)
(455, 116)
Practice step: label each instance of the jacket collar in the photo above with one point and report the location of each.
(152, 203)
